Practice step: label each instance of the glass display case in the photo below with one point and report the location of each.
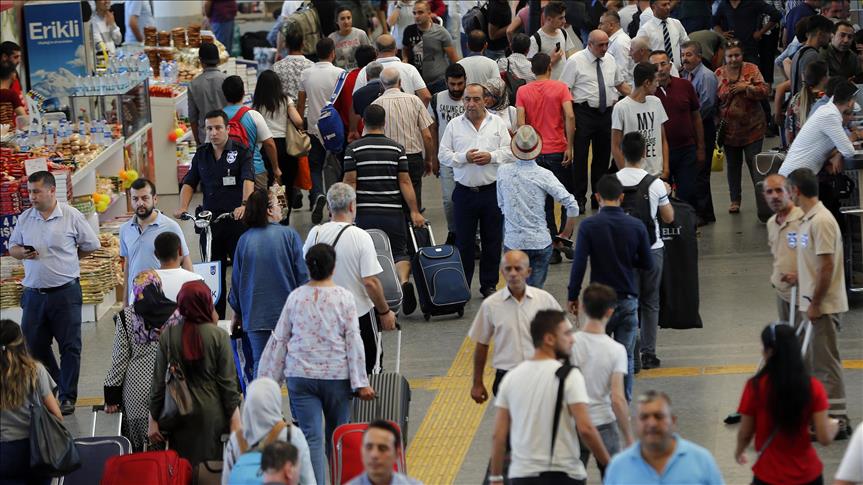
(131, 109)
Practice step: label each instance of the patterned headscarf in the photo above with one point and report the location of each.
(151, 307)
(498, 90)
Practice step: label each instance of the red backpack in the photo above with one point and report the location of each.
(236, 130)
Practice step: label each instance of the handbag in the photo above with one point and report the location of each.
(53, 451)
(178, 399)
(304, 174)
(296, 144)
(717, 164)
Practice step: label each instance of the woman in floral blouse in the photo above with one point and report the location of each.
(741, 91)
(317, 346)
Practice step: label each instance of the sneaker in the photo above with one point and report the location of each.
(566, 251)
(487, 291)
(297, 203)
(649, 361)
(318, 209)
(409, 298)
(732, 418)
(67, 407)
(555, 257)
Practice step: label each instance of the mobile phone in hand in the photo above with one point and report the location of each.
(558, 47)
(29, 248)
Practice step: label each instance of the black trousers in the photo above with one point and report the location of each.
(593, 130)
(416, 167)
(472, 207)
(548, 478)
(369, 332)
(704, 199)
(767, 48)
(226, 234)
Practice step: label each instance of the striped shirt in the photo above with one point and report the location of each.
(378, 161)
(407, 116)
(821, 133)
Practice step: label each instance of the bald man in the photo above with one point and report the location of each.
(639, 51)
(411, 80)
(782, 237)
(596, 82)
(505, 317)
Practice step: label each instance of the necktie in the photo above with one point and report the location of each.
(667, 38)
(601, 82)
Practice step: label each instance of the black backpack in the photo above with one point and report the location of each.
(476, 19)
(512, 81)
(636, 202)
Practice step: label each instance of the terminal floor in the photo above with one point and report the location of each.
(703, 370)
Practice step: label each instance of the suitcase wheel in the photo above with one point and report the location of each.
(427, 316)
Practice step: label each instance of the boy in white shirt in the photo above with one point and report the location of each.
(602, 361)
(642, 112)
(551, 39)
(169, 252)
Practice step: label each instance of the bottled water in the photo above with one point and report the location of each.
(36, 139)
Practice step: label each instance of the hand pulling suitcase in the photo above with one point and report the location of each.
(148, 468)
(393, 397)
(347, 459)
(95, 452)
(439, 277)
(765, 164)
(389, 278)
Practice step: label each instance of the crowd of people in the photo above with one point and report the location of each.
(608, 107)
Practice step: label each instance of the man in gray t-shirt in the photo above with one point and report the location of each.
(428, 46)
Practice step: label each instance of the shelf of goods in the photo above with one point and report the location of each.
(169, 149)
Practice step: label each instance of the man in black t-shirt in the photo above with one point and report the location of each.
(428, 47)
(499, 17)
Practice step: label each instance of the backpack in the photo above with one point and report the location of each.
(250, 40)
(475, 19)
(236, 130)
(307, 22)
(512, 81)
(636, 202)
(539, 41)
(247, 467)
(330, 124)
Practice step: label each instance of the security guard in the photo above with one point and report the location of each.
(224, 170)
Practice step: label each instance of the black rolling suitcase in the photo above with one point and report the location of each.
(95, 451)
(765, 164)
(439, 277)
(678, 290)
(393, 397)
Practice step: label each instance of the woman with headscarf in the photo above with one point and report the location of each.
(202, 351)
(497, 102)
(262, 412)
(136, 342)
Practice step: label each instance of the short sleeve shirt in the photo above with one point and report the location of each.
(629, 176)
(346, 46)
(599, 357)
(646, 118)
(783, 239)
(425, 50)
(500, 17)
(549, 45)
(221, 180)
(15, 423)
(818, 235)
(138, 246)
(257, 132)
(543, 109)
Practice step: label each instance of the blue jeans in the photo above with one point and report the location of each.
(246, 369)
(257, 342)
(623, 326)
(310, 398)
(539, 261)
(684, 173)
(494, 55)
(15, 465)
(447, 185)
(224, 31)
(554, 163)
(55, 316)
(648, 297)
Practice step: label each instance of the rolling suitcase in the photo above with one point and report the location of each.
(389, 278)
(149, 467)
(95, 451)
(439, 277)
(392, 401)
(765, 164)
(347, 460)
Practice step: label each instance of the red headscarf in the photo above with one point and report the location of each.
(195, 303)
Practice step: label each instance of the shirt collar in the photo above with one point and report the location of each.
(615, 35)
(610, 209)
(393, 91)
(528, 292)
(813, 211)
(323, 63)
(156, 221)
(795, 214)
(589, 55)
(212, 69)
(695, 72)
(57, 212)
(385, 60)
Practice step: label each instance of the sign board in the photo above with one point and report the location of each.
(7, 224)
(56, 57)
(34, 165)
(212, 275)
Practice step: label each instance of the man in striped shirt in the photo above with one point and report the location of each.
(377, 167)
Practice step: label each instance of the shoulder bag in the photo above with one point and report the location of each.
(52, 449)
(178, 399)
(297, 144)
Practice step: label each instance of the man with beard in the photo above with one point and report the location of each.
(445, 106)
(840, 57)
(138, 234)
(782, 230)
(524, 412)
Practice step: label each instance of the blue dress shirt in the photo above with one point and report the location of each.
(57, 240)
(268, 265)
(707, 86)
(138, 246)
(690, 465)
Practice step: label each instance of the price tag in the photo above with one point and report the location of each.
(34, 165)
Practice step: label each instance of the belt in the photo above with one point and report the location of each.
(585, 105)
(45, 291)
(481, 188)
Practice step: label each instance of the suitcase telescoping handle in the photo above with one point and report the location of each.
(101, 407)
(414, 238)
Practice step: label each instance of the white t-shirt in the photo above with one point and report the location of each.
(646, 118)
(173, 280)
(549, 45)
(277, 121)
(630, 176)
(356, 259)
(411, 79)
(528, 392)
(443, 109)
(509, 115)
(318, 82)
(479, 69)
(262, 128)
(851, 468)
(599, 356)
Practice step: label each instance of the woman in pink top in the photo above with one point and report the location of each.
(317, 346)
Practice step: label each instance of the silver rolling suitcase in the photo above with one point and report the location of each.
(389, 277)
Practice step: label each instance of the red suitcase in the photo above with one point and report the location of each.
(347, 458)
(148, 468)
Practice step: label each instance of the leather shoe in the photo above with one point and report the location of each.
(409, 298)
(67, 407)
(487, 291)
(567, 251)
(649, 361)
(555, 257)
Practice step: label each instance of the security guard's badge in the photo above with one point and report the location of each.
(792, 240)
(232, 156)
(804, 240)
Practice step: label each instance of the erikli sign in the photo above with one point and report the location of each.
(55, 45)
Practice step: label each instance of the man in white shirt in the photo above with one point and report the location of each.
(446, 106)
(665, 33)
(139, 14)
(478, 67)
(474, 144)
(505, 318)
(536, 404)
(105, 28)
(642, 112)
(317, 84)
(595, 82)
(411, 79)
(602, 361)
(636, 184)
(168, 249)
(551, 38)
(356, 269)
(619, 44)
